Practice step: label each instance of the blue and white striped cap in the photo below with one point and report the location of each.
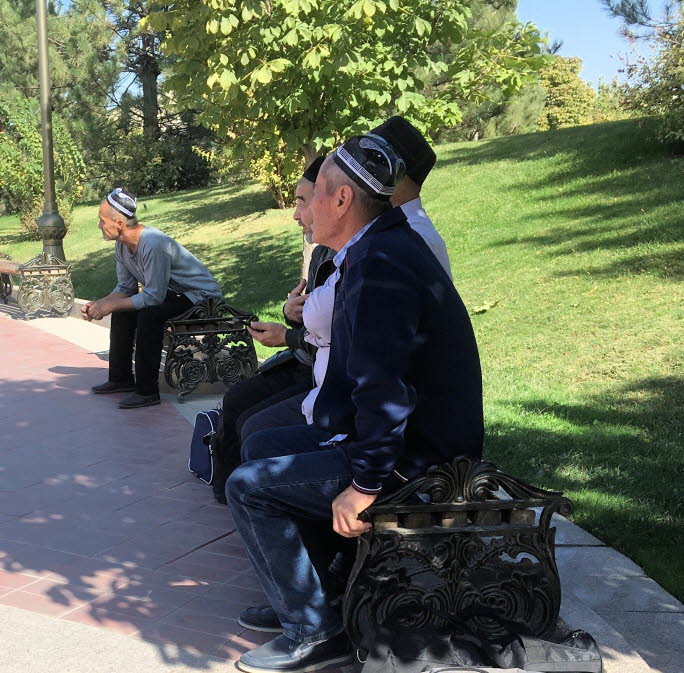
(122, 201)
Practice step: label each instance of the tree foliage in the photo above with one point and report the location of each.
(613, 102)
(643, 13)
(569, 99)
(285, 80)
(659, 82)
(21, 167)
(518, 115)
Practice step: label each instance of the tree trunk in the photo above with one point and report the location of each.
(309, 154)
(148, 73)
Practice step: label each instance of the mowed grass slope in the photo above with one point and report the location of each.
(578, 236)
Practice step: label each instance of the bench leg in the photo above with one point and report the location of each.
(5, 287)
(31, 295)
(59, 295)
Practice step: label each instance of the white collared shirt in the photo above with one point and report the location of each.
(317, 318)
(422, 224)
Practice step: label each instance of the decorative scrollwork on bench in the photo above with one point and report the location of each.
(209, 343)
(45, 284)
(463, 543)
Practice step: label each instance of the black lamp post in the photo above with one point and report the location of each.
(51, 225)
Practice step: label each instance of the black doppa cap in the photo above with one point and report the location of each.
(410, 143)
(372, 163)
(311, 173)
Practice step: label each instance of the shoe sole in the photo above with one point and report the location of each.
(112, 392)
(338, 661)
(139, 406)
(261, 629)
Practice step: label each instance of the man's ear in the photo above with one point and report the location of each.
(345, 199)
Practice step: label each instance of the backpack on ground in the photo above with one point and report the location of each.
(202, 462)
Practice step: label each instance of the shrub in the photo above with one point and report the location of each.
(21, 166)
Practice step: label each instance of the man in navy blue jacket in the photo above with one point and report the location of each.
(402, 392)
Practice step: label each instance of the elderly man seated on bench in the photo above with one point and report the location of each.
(173, 279)
(402, 392)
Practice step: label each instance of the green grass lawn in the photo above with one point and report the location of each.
(578, 235)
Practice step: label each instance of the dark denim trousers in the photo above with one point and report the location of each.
(281, 500)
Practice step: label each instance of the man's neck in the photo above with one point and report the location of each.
(131, 237)
(346, 235)
(406, 191)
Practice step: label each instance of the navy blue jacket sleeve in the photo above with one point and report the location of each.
(382, 308)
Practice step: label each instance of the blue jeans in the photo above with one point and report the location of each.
(281, 499)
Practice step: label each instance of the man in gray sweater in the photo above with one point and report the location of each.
(173, 280)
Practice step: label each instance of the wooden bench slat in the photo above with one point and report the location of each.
(8, 266)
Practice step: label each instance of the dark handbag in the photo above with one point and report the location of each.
(278, 360)
(201, 461)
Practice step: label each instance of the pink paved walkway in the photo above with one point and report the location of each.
(100, 521)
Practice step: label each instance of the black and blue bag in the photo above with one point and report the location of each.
(201, 462)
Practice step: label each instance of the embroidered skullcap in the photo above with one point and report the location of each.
(372, 163)
(122, 201)
(311, 173)
(410, 143)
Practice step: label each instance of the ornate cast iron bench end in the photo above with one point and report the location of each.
(463, 540)
(208, 343)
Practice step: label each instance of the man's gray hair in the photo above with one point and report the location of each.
(371, 207)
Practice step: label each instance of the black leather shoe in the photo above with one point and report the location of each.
(288, 656)
(136, 400)
(262, 618)
(113, 387)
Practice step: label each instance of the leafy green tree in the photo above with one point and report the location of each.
(285, 80)
(21, 166)
(569, 99)
(612, 102)
(659, 82)
(520, 114)
(479, 111)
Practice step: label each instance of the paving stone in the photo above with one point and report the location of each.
(204, 643)
(659, 638)
(575, 564)
(626, 594)
(11, 580)
(212, 573)
(143, 555)
(618, 655)
(104, 619)
(62, 535)
(570, 534)
(44, 605)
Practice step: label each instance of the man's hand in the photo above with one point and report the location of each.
(346, 508)
(295, 303)
(99, 309)
(84, 311)
(268, 333)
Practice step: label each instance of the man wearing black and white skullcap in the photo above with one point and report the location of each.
(173, 279)
(402, 392)
(420, 159)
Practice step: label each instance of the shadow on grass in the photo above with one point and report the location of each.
(619, 455)
(205, 207)
(256, 270)
(7, 238)
(614, 180)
